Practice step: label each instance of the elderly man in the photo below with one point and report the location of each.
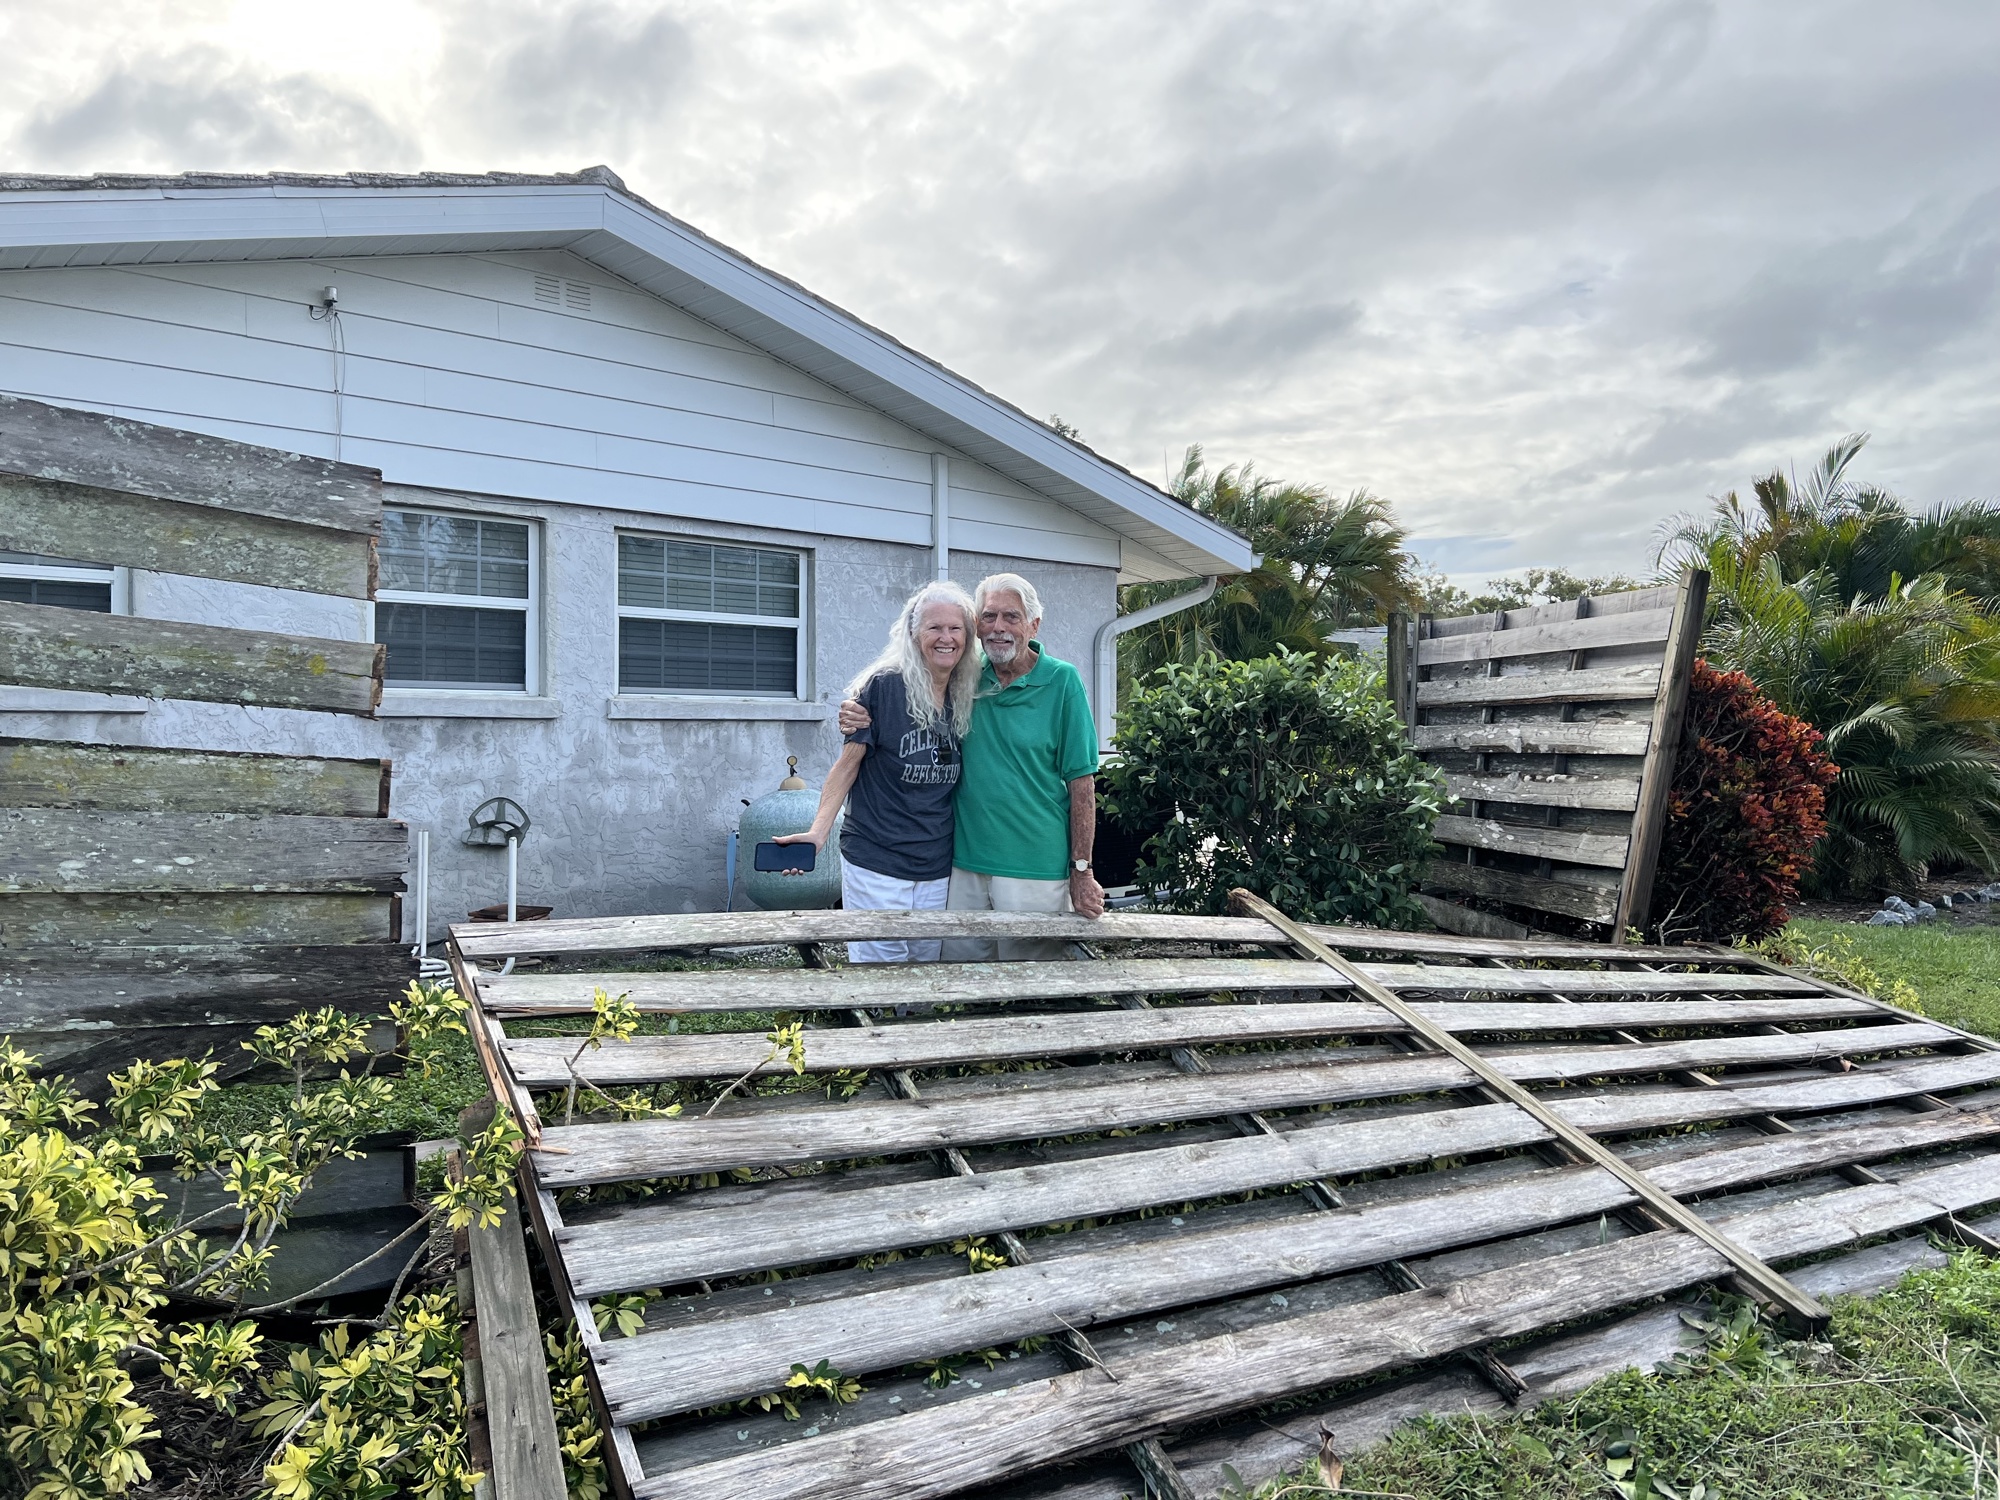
(1027, 792)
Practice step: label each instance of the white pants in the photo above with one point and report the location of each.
(864, 890)
(971, 891)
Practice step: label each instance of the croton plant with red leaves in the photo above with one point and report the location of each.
(1747, 805)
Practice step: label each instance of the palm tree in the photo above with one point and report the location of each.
(1906, 689)
(1325, 564)
(1860, 534)
(1882, 629)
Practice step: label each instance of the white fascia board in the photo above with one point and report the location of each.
(673, 261)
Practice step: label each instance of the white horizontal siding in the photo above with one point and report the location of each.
(455, 378)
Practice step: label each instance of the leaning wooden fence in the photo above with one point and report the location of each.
(1061, 1219)
(160, 900)
(1556, 727)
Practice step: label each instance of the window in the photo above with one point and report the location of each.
(456, 602)
(28, 579)
(704, 619)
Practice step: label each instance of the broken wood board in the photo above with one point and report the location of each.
(1146, 1161)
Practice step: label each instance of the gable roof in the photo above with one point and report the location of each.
(196, 217)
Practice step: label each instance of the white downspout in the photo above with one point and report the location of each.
(1106, 658)
(941, 513)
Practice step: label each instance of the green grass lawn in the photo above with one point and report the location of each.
(1956, 970)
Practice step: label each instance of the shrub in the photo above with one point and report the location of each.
(1285, 775)
(1747, 806)
(91, 1251)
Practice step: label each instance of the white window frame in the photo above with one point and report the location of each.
(120, 579)
(531, 669)
(802, 622)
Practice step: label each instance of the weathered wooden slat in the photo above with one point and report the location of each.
(514, 1375)
(115, 986)
(678, 1241)
(42, 646)
(660, 1245)
(1642, 627)
(1605, 685)
(1570, 845)
(730, 929)
(115, 527)
(972, 984)
(194, 919)
(542, 1062)
(125, 778)
(1650, 1111)
(879, 985)
(65, 849)
(1604, 793)
(1452, 917)
(933, 1453)
(733, 929)
(84, 447)
(656, 1374)
(1591, 903)
(871, 1127)
(1554, 737)
(658, 1148)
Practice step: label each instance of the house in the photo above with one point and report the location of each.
(648, 504)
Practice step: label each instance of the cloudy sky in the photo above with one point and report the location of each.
(1540, 273)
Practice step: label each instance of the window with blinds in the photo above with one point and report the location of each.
(456, 604)
(27, 578)
(705, 618)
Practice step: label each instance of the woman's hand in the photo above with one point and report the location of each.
(814, 836)
(853, 716)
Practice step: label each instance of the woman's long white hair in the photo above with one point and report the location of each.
(903, 655)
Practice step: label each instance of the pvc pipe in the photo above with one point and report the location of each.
(423, 948)
(1106, 655)
(729, 873)
(513, 887)
(941, 514)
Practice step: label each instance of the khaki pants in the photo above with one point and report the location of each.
(971, 891)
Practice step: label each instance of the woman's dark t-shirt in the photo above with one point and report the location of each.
(899, 812)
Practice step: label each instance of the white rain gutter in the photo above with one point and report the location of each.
(1106, 658)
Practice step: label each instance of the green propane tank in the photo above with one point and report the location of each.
(789, 809)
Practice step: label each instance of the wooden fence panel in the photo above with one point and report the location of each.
(1556, 728)
(1127, 1203)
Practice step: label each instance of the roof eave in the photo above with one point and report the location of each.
(206, 219)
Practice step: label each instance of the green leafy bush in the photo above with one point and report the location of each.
(90, 1253)
(1284, 775)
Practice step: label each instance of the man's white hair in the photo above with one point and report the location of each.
(1009, 583)
(903, 656)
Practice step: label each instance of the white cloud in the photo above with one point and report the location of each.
(1538, 272)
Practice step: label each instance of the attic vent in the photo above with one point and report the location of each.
(556, 291)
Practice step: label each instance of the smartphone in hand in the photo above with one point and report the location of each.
(801, 857)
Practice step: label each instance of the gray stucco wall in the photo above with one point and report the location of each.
(630, 815)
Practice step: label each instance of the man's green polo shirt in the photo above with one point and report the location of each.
(1028, 742)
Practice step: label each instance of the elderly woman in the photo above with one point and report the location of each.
(897, 774)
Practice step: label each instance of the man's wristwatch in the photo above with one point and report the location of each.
(1079, 866)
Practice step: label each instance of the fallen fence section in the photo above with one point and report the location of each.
(1556, 727)
(1059, 1220)
(155, 902)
